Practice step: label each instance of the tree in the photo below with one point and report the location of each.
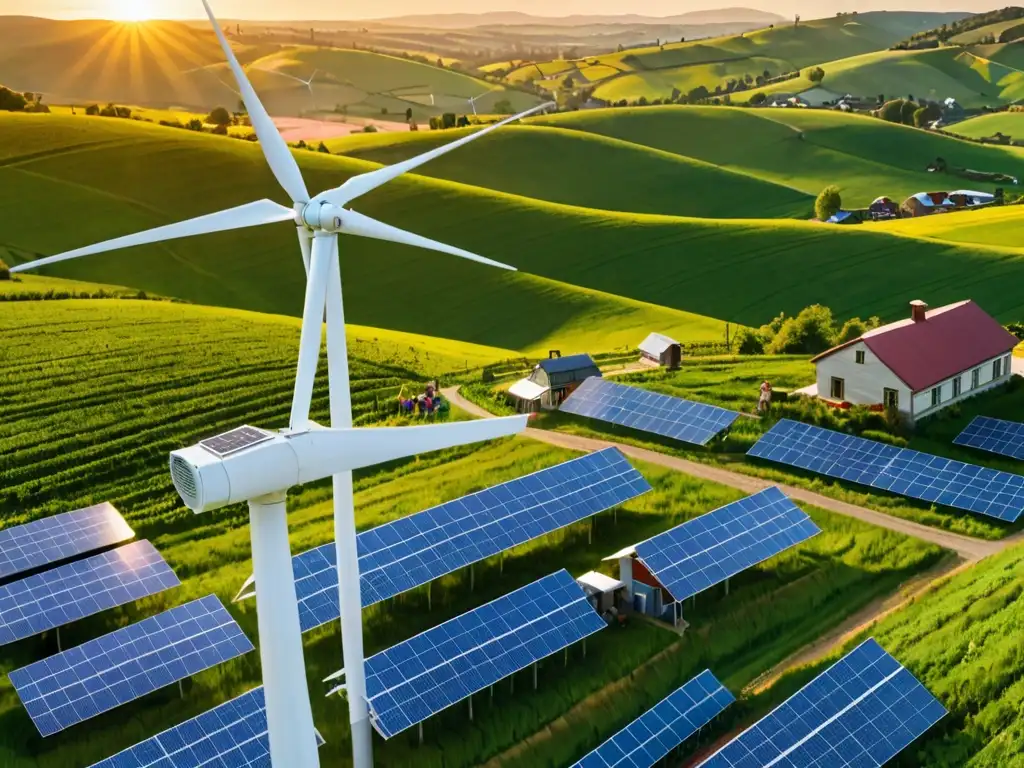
(195, 124)
(5, 272)
(220, 130)
(504, 107)
(448, 120)
(11, 101)
(749, 342)
(892, 111)
(408, 114)
(463, 122)
(219, 116)
(927, 115)
(854, 328)
(758, 99)
(568, 83)
(816, 74)
(829, 203)
(907, 112)
(323, 148)
(810, 332)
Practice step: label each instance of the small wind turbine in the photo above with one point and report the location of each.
(307, 83)
(260, 467)
(472, 101)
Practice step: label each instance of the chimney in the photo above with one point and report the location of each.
(918, 310)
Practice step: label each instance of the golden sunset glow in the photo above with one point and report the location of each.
(130, 10)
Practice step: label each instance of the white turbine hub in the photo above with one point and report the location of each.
(323, 216)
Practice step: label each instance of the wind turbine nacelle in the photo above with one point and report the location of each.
(249, 463)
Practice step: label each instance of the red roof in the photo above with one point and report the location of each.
(951, 340)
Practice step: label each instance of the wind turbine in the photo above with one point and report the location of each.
(260, 468)
(307, 83)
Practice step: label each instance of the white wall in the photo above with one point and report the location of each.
(923, 400)
(864, 381)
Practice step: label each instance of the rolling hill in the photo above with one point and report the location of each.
(588, 170)
(1007, 123)
(1001, 227)
(802, 149)
(745, 271)
(653, 73)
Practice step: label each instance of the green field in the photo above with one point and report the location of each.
(981, 127)
(588, 170)
(733, 270)
(977, 35)
(865, 157)
(127, 381)
(962, 641)
(995, 227)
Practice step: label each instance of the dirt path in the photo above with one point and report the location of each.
(967, 548)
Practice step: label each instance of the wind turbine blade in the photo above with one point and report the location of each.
(358, 186)
(312, 329)
(248, 215)
(282, 74)
(353, 223)
(368, 446)
(279, 157)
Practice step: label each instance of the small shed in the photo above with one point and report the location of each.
(552, 381)
(661, 350)
(604, 592)
(884, 208)
(927, 204)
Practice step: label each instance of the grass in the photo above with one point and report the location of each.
(865, 157)
(580, 169)
(1001, 226)
(740, 270)
(96, 393)
(961, 641)
(733, 383)
(983, 126)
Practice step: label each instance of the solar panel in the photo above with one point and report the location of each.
(899, 470)
(233, 735)
(862, 711)
(665, 726)
(104, 673)
(414, 550)
(709, 549)
(673, 417)
(59, 596)
(411, 681)
(235, 440)
(995, 436)
(56, 538)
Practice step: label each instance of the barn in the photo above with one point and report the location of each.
(927, 204)
(660, 349)
(552, 381)
(920, 365)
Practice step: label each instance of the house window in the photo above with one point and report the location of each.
(936, 396)
(956, 386)
(838, 388)
(891, 399)
(997, 368)
(975, 378)
(860, 357)
(1007, 368)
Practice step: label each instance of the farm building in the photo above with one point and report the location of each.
(966, 198)
(604, 592)
(819, 97)
(927, 204)
(648, 595)
(883, 209)
(661, 350)
(920, 365)
(552, 381)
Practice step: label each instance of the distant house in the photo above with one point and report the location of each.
(661, 350)
(552, 381)
(819, 97)
(927, 204)
(920, 365)
(884, 208)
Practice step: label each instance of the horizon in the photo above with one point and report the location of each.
(326, 10)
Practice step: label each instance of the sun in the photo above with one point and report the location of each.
(130, 10)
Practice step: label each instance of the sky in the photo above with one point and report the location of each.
(338, 9)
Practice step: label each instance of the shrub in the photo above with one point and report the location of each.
(829, 203)
(10, 101)
(369, 129)
(323, 148)
(854, 328)
(892, 111)
(448, 120)
(810, 332)
(816, 75)
(907, 112)
(220, 130)
(93, 110)
(220, 116)
(758, 99)
(5, 272)
(749, 342)
(195, 124)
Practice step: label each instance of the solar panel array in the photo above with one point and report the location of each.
(235, 440)
(673, 417)
(56, 597)
(709, 549)
(414, 550)
(899, 470)
(411, 681)
(104, 673)
(995, 436)
(56, 538)
(862, 711)
(665, 726)
(232, 735)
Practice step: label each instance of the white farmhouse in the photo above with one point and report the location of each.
(919, 365)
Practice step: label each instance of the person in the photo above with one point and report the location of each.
(428, 405)
(766, 396)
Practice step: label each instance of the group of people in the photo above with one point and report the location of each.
(430, 402)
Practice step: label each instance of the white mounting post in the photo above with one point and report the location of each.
(726, 587)
(471, 708)
(289, 715)
(349, 596)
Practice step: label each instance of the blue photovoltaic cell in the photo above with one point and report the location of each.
(58, 537)
(995, 436)
(664, 727)
(899, 470)
(59, 596)
(114, 669)
(709, 549)
(411, 681)
(232, 735)
(414, 550)
(862, 711)
(646, 411)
